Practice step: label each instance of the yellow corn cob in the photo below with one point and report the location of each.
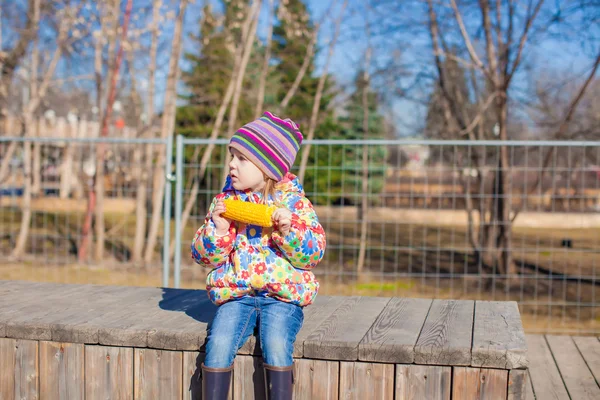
(249, 213)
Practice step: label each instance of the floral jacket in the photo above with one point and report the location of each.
(252, 260)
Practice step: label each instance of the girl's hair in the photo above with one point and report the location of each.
(269, 189)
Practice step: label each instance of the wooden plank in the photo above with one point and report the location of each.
(498, 336)
(118, 329)
(339, 336)
(61, 370)
(84, 327)
(157, 374)
(423, 382)
(34, 323)
(183, 322)
(248, 378)
(8, 359)
(314, 316)
(479, 383)
(26, 370)
(109, 373)
(393, 336)
(446, 335)
(578, 379)
(545, 378)
(359, 380)
(192, 376)
(529, 395)
(589, 347)
(26, 301)
(316, 379)
(518, 380)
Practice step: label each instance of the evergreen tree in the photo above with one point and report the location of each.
(291, 38)
(337, 169)
(207, 78)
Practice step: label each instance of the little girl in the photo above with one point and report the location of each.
(260, 277)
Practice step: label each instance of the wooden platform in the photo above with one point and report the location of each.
(109, 341)
(563, 367)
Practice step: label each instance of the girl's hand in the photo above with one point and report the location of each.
(222, 224)
(282, 217)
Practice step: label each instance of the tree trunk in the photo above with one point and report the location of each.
(239, 79)
(34, 99)
(36, 186)
(364, 203)
(237, 67)
(21, 242)
(317, 103)
(168, 125)
(265, 68)
(114, 69)
(144, 179)
(310, 50)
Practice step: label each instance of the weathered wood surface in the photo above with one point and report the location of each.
(393, 336)
(19, 369)
(577, 376)
(62, 367)
(109, 372)
(316, 379)
(359, 380)
(446, 335)
(248, 378)
(339, 336)
(498, 336)
(423, 382)
(372, 329)
(479, 383)
(153, 374)
(589, 347)
(518, 382)
(545, 378)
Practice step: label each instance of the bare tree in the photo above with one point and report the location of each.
(319, 94)
(95, 204)
(265, 67)
(365, 157)
(243, 50)
(168, 124)
(37, 91)
(506, 34)
(310, 51)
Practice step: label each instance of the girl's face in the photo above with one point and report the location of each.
(244, 174)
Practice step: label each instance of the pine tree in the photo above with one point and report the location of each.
(207, 78)
(336, 170)
(353, 129)
(291, 37)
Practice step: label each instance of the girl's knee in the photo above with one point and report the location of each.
(220, 352)
(277, 350)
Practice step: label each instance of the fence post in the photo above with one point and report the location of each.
(178, 206)
(167, 210)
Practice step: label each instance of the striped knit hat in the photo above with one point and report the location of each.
(269, 142)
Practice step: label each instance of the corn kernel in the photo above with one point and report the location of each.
(249, 213)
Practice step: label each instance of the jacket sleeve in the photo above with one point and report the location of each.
(208, 249)
(304, 245)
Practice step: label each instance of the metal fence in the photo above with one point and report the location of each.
(63, 172)
(444, 219)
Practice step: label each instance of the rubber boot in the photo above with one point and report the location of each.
(215, 383)
(279, 382)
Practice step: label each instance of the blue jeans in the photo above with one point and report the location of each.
(278, 324)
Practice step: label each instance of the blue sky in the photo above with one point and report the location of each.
(550, 58)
